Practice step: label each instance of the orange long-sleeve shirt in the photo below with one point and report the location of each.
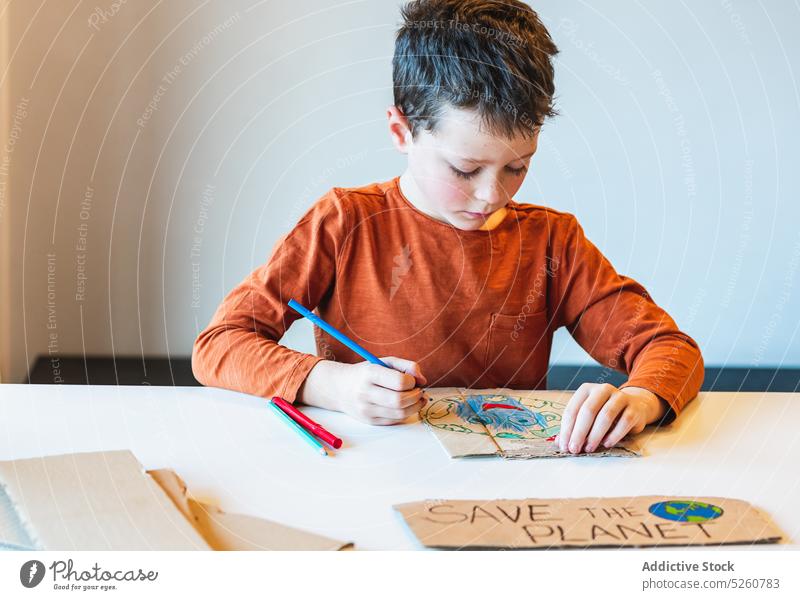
(474, 308)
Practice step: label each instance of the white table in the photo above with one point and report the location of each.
(231, 450)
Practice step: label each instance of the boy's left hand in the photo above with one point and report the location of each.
(602, 414)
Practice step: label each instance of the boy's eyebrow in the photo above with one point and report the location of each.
(483, 162)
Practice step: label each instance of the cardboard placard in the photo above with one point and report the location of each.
(503, 422)
(106, 501)
(639, 521)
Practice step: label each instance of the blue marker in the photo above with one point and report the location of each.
(365, 354)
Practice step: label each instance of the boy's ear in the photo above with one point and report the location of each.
(399, 129)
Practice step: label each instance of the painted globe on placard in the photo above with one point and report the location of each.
(683, 510)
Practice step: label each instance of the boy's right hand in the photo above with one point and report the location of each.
(370, 393)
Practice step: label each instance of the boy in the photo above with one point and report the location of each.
(440, 266)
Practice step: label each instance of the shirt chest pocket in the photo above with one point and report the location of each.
(518, 349)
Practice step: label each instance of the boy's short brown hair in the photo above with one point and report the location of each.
(493, 55)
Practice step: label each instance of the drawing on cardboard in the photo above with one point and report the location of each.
(498, 415)
(501, 422)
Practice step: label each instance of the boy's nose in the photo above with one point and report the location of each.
(489, 195)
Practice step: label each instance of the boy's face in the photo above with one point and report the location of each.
(460, 174)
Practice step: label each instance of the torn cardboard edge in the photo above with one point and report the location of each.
(538, 523)
(107, 501)
(464, 433)
(230, 531)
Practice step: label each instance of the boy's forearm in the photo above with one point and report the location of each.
(238, 359)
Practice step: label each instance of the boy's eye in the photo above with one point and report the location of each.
(470, 174)
(462, 174)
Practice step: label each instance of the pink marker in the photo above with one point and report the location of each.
(307, 424)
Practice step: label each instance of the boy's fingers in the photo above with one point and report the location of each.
(406, 366)
(391, 378)
(625, 423)
(568, 418)
(605, 420)
(414, 408)
(387, 414)
(375, 412)
(380, 421)
(394, 415)
(387, 398)
(586, 415)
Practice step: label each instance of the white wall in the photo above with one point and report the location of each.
(677, 148)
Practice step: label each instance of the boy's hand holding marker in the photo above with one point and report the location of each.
(369, 392)
(379, 391)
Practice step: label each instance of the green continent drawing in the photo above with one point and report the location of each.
(681, 510)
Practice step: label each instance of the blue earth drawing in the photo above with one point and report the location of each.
(498, 415)
(688, 511)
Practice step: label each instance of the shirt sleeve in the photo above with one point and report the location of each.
(239, 349)
(616, 321)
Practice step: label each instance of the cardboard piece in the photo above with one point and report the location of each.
(503, 422)
(223, 531)
(639, 521)
(106, 501)
(93, 501)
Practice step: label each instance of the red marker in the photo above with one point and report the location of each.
(309, 425)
